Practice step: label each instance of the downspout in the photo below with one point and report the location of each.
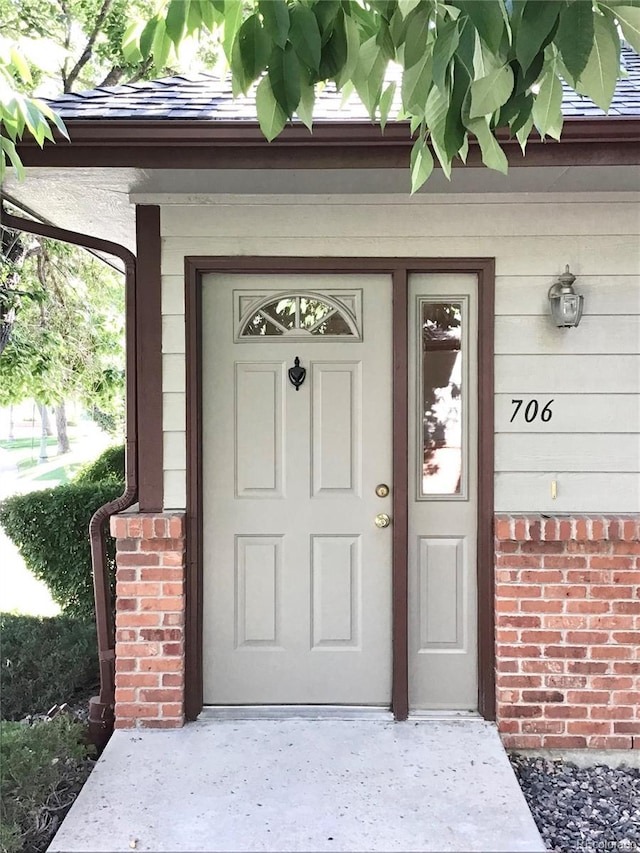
(101, 708)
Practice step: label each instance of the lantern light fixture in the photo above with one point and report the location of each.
(565, 304)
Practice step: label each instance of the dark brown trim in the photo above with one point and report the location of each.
(400, 437)
(337, 145)
(193, 644)
(398, 268)
(149, 358)
(101, 707)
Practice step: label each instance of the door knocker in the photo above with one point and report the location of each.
(297, 374)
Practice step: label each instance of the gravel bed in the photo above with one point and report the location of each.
(586, 810)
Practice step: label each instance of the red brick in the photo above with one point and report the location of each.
(137, 620)
(626, 606)
(542, 606)
(609, 742)
(610, 592)
(126, 604)
(173, 558)
(515, 621)
(161, 574)
(566, 591)
(137, 709)
(566, 681)
(125, 664)
(610, 652)
(541, 637)
(125, 694)
(138, 679)
(147, 527)
(587, 637)
(617, 712)
(588, 727)
(565, 652)
(589, 697)
(138, 588)
(506, 605)
(543, 666)
(587, 575)
(564, 561)
(587, 667)
(134, 526)
(503, 665)
(172, 649)
(124, 724)
(565, 622)
(173, 588)
(161, 664)
(614, 622)
(508, 726)
(126, 635)
(626, 728)
(540, 727)
(626, 548)
(617, 562)
(564, 530)
(542, 547)
(507, 547)
(542, 696)
(520, 681)
(127, 574)
(522, 711)
(169, 603)
(127, 545)
(504, 635)
(630, 697)
(176, 526)
(173, 709)
(173, 680)
(629, 637)
(138, 560)
(160, 527)
(118, 526)
(520, 651)
(517, 591)
(521, 741)
(507, 575)
(166, 694)
(517, 561)
(622, 577)
(627, 667)
(585, 606)
(161, 634)
(563, 742)
(541, 576)
(137, 650)
(565, 712)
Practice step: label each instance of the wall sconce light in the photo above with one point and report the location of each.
(566, 305)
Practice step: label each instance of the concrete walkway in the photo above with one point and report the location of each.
(303, 785)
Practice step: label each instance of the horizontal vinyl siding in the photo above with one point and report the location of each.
(591, 445)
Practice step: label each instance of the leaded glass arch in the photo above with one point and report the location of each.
(299, 315)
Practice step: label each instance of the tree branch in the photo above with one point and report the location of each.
(88, 50)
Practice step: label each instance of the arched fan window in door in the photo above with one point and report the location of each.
(299, 315)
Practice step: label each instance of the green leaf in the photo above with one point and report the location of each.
(492, 155)
(130, 43)
(352, 35)
(446, 44)
(384, 41)
(489, 93)
(547, 107)
(304, 35)
(369, 75)
(629, 18)
(147, 36)
(232, 24)
(254, 46)
(304, 110)
(415, 45)
(19, 63)
(574, 38)
(488, 17)
(240, 83)
(176, 20)
(435, 113)
(326, 12)
(406, 6)
(598, 80)
(536, 29)
(275, 14)
(284, 75)
(421, 163)
(271, 116)
(11, 155)
(523, 132)
(334, 52)
(48, 113)
(416, 82)
(161, 46)
(459, 105)
(386, 101)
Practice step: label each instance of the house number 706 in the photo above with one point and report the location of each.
(532, 410)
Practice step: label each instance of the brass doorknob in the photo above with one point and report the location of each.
(382, 490)
(382, 520)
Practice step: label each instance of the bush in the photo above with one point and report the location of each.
(108, 466)
(45, 661)
(37, 760)
(51, 530)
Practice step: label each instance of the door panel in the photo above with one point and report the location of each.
(442, 492)
(296, 577)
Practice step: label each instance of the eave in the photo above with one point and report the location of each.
(163, 144)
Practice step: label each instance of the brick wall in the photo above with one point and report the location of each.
(567, 631)
(149, 620)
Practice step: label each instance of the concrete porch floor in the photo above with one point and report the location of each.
(303, 785)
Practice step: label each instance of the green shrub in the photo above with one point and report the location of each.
(45, 661)
(51, 530)
(35, 760)
(108, 466)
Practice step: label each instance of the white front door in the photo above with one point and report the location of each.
(297, 576)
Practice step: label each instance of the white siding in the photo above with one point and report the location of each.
(591, 445)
